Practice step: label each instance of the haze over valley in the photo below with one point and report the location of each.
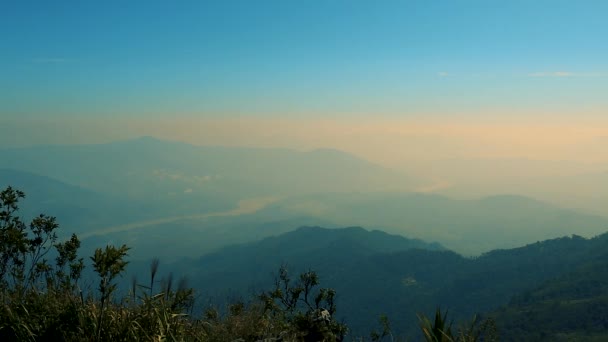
(143, 186)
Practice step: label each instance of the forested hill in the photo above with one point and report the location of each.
(398, 281)
(570, 307)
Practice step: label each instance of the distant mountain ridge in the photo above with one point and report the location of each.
(132, 166)
(571, 184)
(72, 205)
(155, 179)
(469, 226)
(300, 241)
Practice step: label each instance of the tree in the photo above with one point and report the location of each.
(308, 311)
(108, 264)
(24, 250)
(30, 285)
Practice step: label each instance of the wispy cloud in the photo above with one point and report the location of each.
(565, 74)
(50, 60)
(443, 74)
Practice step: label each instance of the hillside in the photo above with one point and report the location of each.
(572, 306)
(399, 281)
(77, 208)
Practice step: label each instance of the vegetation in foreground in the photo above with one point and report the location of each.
(41, 299)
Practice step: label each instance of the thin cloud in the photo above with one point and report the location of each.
(564, 74)
(443, 74)
(51, 60)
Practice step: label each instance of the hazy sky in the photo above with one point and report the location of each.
(315, 71)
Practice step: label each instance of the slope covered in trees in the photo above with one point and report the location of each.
(570, 307)
(398, 282)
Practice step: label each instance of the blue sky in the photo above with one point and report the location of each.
(301, 58)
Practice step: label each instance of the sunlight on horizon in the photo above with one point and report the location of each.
(385, 140)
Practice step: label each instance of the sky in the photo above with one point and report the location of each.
(306, 74)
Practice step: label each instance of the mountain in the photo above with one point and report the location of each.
(156, 170)
(570, 307)
(376, 273)
(83, 211)
(470, 227)
(194, 236)
(576, 185)
(156, 186)
(302, 247)
(147, 191)
(312, 243)
(77, 209)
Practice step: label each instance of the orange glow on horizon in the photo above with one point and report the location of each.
(384, 139)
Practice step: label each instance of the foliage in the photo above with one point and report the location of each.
(386, 331)
(437, 331)
(41, 300)
(306, 312)
(23, 251)
(573, 307)
(108, 264)
(440, 330)
(30, 286)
